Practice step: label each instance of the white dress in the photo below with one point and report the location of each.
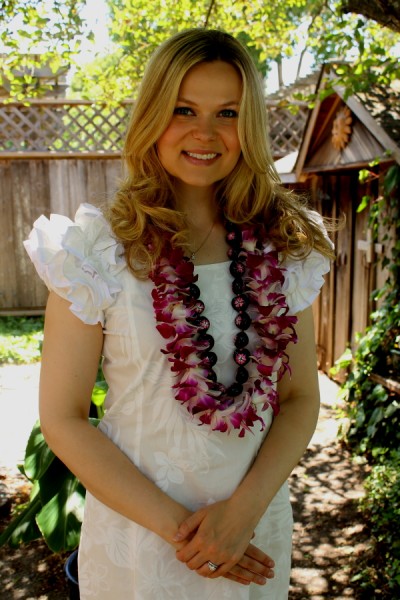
(118, 559)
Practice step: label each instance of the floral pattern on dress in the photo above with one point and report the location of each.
(119, 559)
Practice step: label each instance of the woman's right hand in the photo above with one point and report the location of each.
(254, 567)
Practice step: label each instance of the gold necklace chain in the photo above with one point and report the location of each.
(193, 254)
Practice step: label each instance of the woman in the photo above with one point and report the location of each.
(188, 287)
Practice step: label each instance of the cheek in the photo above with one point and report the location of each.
(235, 143)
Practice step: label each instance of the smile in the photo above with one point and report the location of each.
(202, 156)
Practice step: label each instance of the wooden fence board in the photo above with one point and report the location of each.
(29, 188)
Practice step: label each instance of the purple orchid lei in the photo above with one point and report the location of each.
(177, 315)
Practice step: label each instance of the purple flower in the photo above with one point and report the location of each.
(173, 306)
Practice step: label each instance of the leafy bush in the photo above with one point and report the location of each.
(55, 507)
(373, 412)
(21, 339)
(381, 506)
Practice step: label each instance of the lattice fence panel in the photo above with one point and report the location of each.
(62, 127)
(286, 127)
(78, 127)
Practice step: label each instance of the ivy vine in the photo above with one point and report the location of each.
(373, 411)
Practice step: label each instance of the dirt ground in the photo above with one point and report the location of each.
(330, 538)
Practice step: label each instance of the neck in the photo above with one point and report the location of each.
(198, 204)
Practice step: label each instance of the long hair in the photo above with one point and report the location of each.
(144, 211)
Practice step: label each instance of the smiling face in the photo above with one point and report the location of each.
(201, 146)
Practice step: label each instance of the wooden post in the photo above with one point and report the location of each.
(369, 247)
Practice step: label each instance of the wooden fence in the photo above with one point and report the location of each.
(63, 127)
(55, 154)
(31, 187)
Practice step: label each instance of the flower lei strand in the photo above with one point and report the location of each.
(257, 283)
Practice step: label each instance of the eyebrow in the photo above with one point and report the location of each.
(186, 101)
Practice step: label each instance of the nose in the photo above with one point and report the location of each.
(204, 129)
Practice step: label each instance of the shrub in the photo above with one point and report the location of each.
(21, 339)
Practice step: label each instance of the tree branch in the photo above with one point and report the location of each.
(209, 13)
(384, 12)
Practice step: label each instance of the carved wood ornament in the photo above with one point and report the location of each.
(341, 129)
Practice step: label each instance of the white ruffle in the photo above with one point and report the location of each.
(304, 280)
(79, 260)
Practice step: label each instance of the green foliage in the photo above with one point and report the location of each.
(34, 34)
(372, 411)
(381, 506)
(55, 507)
(364, 53)
(20, 339)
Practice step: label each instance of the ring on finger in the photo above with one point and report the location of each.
(212, 566)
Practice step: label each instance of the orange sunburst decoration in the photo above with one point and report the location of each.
(341, 129)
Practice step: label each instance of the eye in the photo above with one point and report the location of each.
(228, 113)
(183, 111)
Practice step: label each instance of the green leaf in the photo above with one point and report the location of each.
(63, 498)
(23, 527)
(38, 456)
(363, 204)
(392, 179)
(99, 393)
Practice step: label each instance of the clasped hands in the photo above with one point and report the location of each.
(219, 535)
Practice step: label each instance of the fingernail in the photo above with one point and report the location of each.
(260, 580)
(177, 537)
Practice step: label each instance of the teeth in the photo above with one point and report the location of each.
(201, 156)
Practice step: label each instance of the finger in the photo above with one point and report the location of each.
(253, 566)
(186, 555)
(237, 573)
(250, 576)
(260, 556)
(187, 527)
(236, 579)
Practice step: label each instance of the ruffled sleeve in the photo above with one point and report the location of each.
(305, 278)
(79, 260)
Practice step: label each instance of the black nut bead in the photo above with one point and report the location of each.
(194, 291)
(243, 321)
(241, 340)
(237, 269)
(233, 253)
(238, 286)
(241, 357)
(234, 237)
(212, 376)
(206, 340)
(209, 359)
(240, 302)
(234, 390)
(229, 226)
(198, 307)
(242, 375)
(203, 324)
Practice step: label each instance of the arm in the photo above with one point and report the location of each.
(71, 352)
(223, 530)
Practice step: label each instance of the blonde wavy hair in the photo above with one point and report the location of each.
(144, 211)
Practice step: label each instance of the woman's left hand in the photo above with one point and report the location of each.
(219, 533)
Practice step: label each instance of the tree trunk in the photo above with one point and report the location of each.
(384, 12)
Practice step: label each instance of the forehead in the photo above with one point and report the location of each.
(218, 79)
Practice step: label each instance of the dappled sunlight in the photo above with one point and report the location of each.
(330, 537)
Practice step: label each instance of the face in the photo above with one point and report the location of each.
(201, 145)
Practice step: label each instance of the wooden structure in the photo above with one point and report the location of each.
(51, 83)
(55, 154)
(341, 137)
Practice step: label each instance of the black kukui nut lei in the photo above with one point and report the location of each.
(240, 303)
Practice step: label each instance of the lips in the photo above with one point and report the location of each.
(202, 155)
